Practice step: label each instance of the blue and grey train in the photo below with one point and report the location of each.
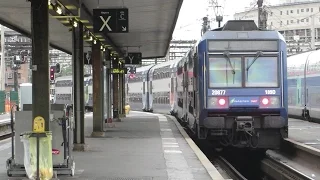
(304, 85)
(230, 88)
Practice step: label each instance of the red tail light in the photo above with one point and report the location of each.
(269, 102)
(265, 101)
(222, 102)
(218, 102)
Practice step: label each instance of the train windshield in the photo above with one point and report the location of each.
(225, 72)
(263, 72)
(259, 71)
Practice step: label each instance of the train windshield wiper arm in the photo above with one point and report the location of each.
(259, 53)
(226, 55)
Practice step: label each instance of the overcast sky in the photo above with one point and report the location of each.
(189, 22)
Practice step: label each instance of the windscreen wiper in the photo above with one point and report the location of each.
(259, 53)
(226, 54)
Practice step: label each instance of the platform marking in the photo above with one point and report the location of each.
(211, 169)
(172, 151)
(177, 166)
(170, 146)
(169, 143)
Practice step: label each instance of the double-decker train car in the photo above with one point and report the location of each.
(231, 87)
(304, 85)
(159, 79)
(64, 94)
(138, 89)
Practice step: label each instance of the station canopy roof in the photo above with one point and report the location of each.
(151, 23)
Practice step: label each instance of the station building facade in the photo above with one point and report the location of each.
(294, 19)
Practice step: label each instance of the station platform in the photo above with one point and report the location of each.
(305, 132)
(143, 146)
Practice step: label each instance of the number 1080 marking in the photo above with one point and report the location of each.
(270, 91)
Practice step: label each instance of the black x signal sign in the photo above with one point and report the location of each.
(111, 20)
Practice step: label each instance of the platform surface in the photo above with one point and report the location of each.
(143, 146)
(305, 132)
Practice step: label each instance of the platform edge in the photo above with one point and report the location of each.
(212, 171)
(303, 147)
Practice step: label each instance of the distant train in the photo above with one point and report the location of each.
(64, 95)
(63, 91)
(304, 85)
(230, 88)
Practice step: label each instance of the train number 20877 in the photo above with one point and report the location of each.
(218, 92)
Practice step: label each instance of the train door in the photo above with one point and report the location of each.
(172, 91)
(185, 90)
(175, 93)
(195, 84)
(150, 93)
(144, 96)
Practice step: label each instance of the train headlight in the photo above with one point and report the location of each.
(217, 102)
(270, 102)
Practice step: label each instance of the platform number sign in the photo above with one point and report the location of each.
(134, 58)
(111, 20)
(131, 69)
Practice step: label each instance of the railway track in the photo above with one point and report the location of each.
(233, 173)
(269, 167)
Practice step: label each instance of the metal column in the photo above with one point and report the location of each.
(78, 86)
(115, 84)
(40, 60)
(108, 84)
(124, 96)
(120, 95)
(97, 76)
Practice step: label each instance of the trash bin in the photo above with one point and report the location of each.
(115, 113)
(127, 109)
(45, 156)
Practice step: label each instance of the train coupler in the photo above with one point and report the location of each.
(244, 123)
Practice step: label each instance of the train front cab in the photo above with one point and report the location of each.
(244, 102)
